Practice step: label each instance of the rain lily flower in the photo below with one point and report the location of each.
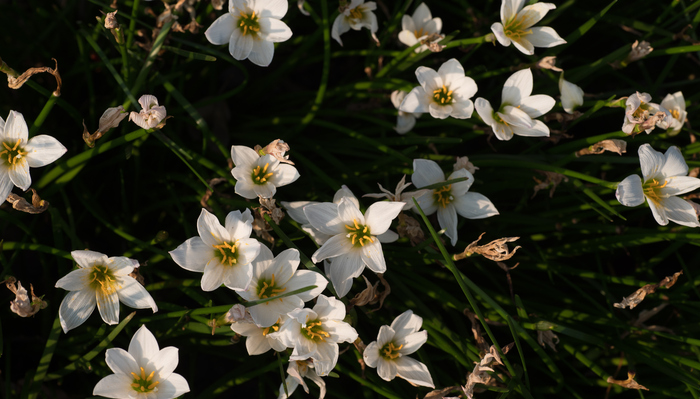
(518, 109)
(151, 113)
(251, 27)
(298, 370)
(258, 175)
(23, 305)
(449, 200)
(405, 121)
(419, 27)
(277, 275)
(641, 114)
(315, 333)
(444, 93)
(144, 371)
(223, 254)
(675, 104)
(260, 339)
(665, 177)
(100, 281)
(356, 15)
(356, 238)
(389, 353)
(399, 195)
(516, 26)
(571, 95)
(17, 154)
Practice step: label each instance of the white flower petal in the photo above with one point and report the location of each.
(517, 87)
(210, 229)
(272, 8)
(134, 295)
(88, 259)
(485, 111)
(422, 15)
(405, 324)
(405, 123)
(5, 183)
(677, 185)
(262, 52)
(276, 30)
(380, 215)
(462, 110)
(16, 128)
(413, 342)
(243, 156)
(407, 37)
(533, 14)
(221, 30)
(295, 210)
(497, 29)
(305, 278)
(108, 305)
(544, 36)
(659, 211)
(324, 218)
(239, 278)
(214, 275)
(193, 254)
(340, 26)
(284, 174)
(439, 111)
(75, 280)
(117, 386)
(164, 362)
(173, 387)
(428, 79)
(538, 129)
(343, 270)
(19, 175)
(675, 163)
(460, 188)
(681, 212)
(415, 101)
(426, 172)
(510, 8)
(143, 346)
(120, 361)
(651, 161)
(451, 72)
(537, 105)
(240, 45)
(475, 206)
(629, 191)
(75, 308)
(373, 256)
(386, 369)
(371, 354)
(447, 219)
(43, 150)
(414, 371)
(388, 236)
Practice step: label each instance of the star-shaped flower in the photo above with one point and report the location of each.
(665, 177)
(259, 175)
(444, 93)
(356, 15)
(389, 353)
(17, 154)
(223, 254)
(516, 26)
(419, 27)
(100, 281)
(251, 28)
(518, 109)
(260, 339)
(449, 200)
(144, 372)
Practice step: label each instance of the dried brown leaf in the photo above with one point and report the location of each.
(613, 145)
(639, 295)
(548, 63)
(15, 82)
(552, 179)
(208, 193)
(440, 393)
(496, 250)
(629, 383)
(37, 206)
(367, 295)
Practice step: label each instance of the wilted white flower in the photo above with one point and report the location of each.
(463, 163)
(111, 118)
(356, 15)
(571, 95)
(405, 121)
(238, 313)
(22, 305)
(641, 114)
(418, 27)
(675, 104)
(399, 195)
(251, 28)
(151, 113)
(516, 26)
(259, 175)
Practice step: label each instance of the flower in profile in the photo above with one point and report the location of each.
(665, 177)
(356, 238)
(451, 199)
(675, 104)
(151, 113)
(571, 95)
(144, 371)
(389, 353)
(259, 175)
(18, 154)
(278, 275)
(315, 333)
(100, 281)
(419, 27)
(399, 195)
(251, 28)
(260, 339)
(444, 93)
(298, 370)
(516, 26)
(356, 15)
(22, 305)
(405, 121)
(223, 253)
(643, 115)
(518, 109)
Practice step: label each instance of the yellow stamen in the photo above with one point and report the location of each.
(418, 33)
(391, 351)
(356, 13)
(227, 257)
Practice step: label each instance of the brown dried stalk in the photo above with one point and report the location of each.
(629, 383)
(639, 295)
(496, 250)
(612, 145)
(15, 81)
(37, 206)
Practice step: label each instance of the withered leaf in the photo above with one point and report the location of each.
(612, 145)
(15, 82)
(37, 206)
(553, 179)
(547, 337)
(440, 393)
(629, 383)
(639, 295)
(496, 250)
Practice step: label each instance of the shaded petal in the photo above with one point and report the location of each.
(485, 111)
(173, 387)
(214, 275)
(474, 206)
(116, 386)
(335, 246)
(284, 265)
(343, 270)
(388, 236)
(517, 87)
(324, 218)
(295, 210)
(677, 185)
(210, 229)
(240, 45)
(451, 72)
(239, 278)
(658, 209)
(460, 188)
(19, 175)
(413, 342)
(538, 129)
(544, 36)
(462, 109)
(675, 164)
(629, 191)
(510, 8)
(143, 346)
(497, 29)
(405, 324)
(406, 36)
(75, 308)
(271, 8)
(380, 214)
(239, 225)
(371, 354)
(42, 150)
(651, 161)
(88, 259)
(257, 344)
(329, 308)
(414, 371)
(220, 31)
(407, 24)
(243, 156)
(426, 172)
(422, 15)
(373, 257)
(108, 305)
(340, 26)
(439, 111)
(120, 361)
(534, 13)
(537, 105)
(348, 213)
(415, 101)
(165, 361)
(193, 254)
(681, 212)
(447, 218)
(386, 369)
(134, 295)
(5, 183)
(305, 278)
(275, 30)
(16, 128)
(341, 331)
(262, 52)
(405, 123)
(285, 174)
(428, 79)
(75, 280)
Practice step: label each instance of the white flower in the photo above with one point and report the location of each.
(298, 370)
(223, 254)
(516, 26)
(420, 26)
(675, 104)
(296, 212)
(17, 154)
(665, 177)
(277, 275)
(259, 175)
(389, 353)
(112, 117)
(571, 95)
(450, 200)
(406, 120)
(260, 339)
(103, 281)
(355, 240)
(144, 372)
(315, 333)
(518, 109)
(251, 27)
(641, 114)
(356, 15)
(444, 93)
(151, 113)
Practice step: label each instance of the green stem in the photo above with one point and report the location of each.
(157, 44)
(471, 40)
(43, 367)
(44, 113)
(132, 24)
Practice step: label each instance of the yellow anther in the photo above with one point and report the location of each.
(356, 226)
(252, 16)
(135, 376)
(391, 351)
(320, 334)
(227, 257)
(135, 385)
(153, 385)
(676, 114)
(150, 376)
(365, 229)
(143, 374)
(418, 33)
(356, 13)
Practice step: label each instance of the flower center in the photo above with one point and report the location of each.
(442, 96)
(356, 13)
(273, 328)
(248, 24)
(102, 278)
(261, 175)
(443, 195)
(651, 190)
(514, 28)
(267, 289)
(227, 253)
(676, 114)
(358, 234)
(314, 332)
(144, 384)
(390, 352)
(419, 33)
(13, 152)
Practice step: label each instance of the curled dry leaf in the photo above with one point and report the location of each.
(15, 81)
(629, 383)
(21, 305)
(645, 315)
(371, 295)
(496, 250)
(639, 295)
(38, 205)
(440, 393)
(481, 343)
(612, 145)
(547, 337)
(548, 63)
(109, 119)
(552, 179)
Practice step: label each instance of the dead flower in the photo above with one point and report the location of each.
(109, 119)
(136, 275)
(440, 393)
(629, 383)
(409, 227)
(111, 20)
(15, 80)
(612, 145)
(371, 294)
(398, 195)
(213, 182)
(639, 295)
(547, 337)
(552, 179)
(238, 313)
(37, 206)
(548, 63)
(479, 375)
(496, 250)
(639, 51)
(463, 163)
(260, 225)
(21, 305)
(277, 149)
